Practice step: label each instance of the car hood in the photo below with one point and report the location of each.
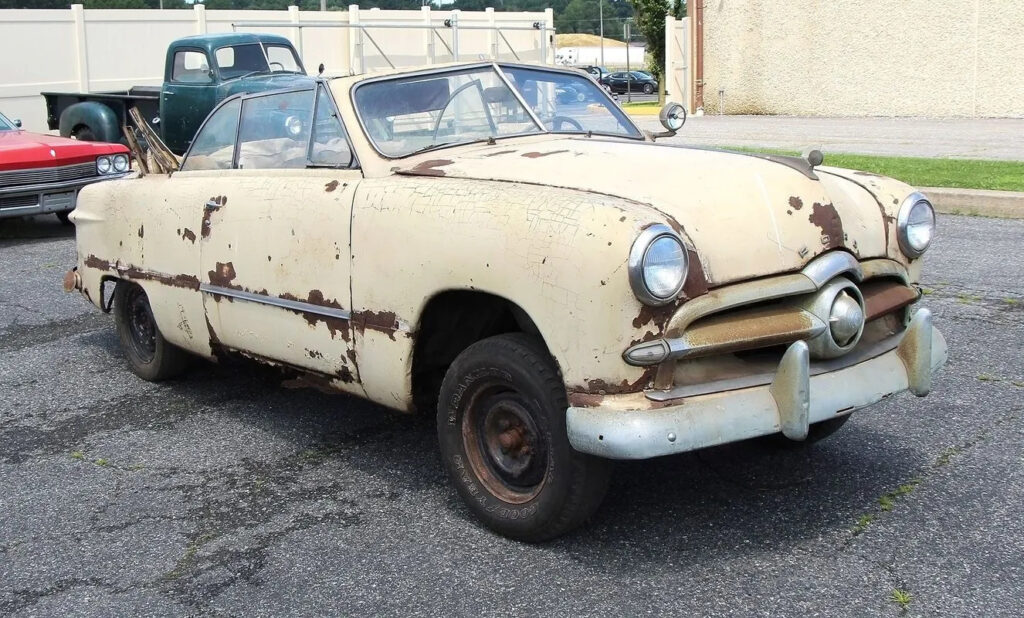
(25, 150)
(747, 216)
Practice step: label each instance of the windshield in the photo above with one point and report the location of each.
(238, 60)
(413, 113)
(5, 124)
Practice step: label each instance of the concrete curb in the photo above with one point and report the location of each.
(980, 202)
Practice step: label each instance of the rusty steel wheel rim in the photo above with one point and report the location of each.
(504, 445)
(141, 326)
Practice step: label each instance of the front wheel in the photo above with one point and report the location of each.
(149, 355)
(501, 428)
(648, 89)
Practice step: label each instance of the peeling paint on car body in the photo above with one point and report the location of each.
(333, 265)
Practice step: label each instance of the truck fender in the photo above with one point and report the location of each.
(99, 118)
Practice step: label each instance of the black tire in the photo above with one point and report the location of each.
(149, 355)
(84, 134)
(63, 216)
(815, 433)
(501, 428)
(648, 89)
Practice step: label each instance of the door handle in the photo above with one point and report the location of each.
(213, 204)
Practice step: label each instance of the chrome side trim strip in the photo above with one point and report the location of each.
(294, 305)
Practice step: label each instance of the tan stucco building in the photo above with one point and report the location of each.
(864, 57)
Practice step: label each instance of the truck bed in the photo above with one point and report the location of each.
(146, 98)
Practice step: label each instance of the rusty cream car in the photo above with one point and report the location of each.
(560, 290)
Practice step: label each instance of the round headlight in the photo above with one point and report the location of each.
(120, 163)
(915, 225)
(657, 265)
(294, 125)
(103, 165)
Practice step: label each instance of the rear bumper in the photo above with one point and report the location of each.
(45, 198)
(793, 401)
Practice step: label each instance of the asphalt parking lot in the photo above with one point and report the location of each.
(224, 493)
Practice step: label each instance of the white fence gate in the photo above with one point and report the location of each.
(102, 50)
(677, 58)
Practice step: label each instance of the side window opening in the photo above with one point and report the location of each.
(214, 146)
(329, 147)
(191, 67)
(275, 129)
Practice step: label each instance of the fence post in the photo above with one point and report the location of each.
(200, 15)
(81, 49)
(492, 34)
(549, 37)
(355, 41)
(429, 34)
(670, 72)
(455, 35)
(293, 16)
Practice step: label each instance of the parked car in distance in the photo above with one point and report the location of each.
(555, 287)
(199, 72)
(632, 81)
(597, 72)
(42, 173)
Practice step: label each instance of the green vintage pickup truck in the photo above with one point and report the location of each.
(199, 72)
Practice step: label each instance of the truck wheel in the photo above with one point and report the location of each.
(84, 134)
(149, 355)
(501, 427)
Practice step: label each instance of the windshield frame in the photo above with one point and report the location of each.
(7, 124)
(497, 67)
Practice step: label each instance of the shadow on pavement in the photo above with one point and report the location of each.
(16, 230)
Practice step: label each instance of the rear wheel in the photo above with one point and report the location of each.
(149, 355)
(501, 428)
(648, 89)
(83, 133)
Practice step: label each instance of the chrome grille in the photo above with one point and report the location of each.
(47, 174)
(19, 201)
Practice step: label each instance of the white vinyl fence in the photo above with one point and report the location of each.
(103, 50)
(677, 57)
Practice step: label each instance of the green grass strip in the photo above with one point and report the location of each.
(925, 172)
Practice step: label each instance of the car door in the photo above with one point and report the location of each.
(274, 259)
(186, 96)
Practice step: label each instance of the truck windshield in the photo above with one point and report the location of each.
(238, 60)
(413, 113)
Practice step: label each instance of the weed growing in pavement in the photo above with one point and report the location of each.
(1017, 384)
(927, 291)
(863, 523)
(984, 377)
(967, 299)
(77, 455)
(101, 462)
(1011, 301)
(901, 598)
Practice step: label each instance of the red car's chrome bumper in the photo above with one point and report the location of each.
(47, 197)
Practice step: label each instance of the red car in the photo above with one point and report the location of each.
(42, 173)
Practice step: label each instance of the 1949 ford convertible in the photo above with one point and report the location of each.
(458, 240)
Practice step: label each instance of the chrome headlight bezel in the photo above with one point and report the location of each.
(104, 165)
(120, 163)
(637, 263)
(903, 221)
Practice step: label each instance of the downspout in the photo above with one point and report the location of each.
(698, 61)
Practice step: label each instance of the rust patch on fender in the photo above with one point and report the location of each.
(94, 262)
(345, 375)
(382, 321)
(223, 275)
(316, 297)
(537, 155)
(825, 218)
(500, 152)
(331, 186)
(127, 271)
(796, 203)
(696, 283)
(189, 235)
(428, 168)
(601, 387)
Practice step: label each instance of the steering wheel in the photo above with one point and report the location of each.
(440, 117)
(557, 121)
(278, 64)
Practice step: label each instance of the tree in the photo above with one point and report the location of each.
(650, 23)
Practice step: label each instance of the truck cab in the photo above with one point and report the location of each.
(200, 71)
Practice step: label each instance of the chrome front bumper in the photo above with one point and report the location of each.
(45, 198)
(792, 401)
